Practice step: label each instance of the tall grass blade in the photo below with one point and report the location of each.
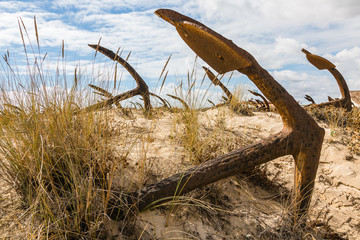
(37, 34)
(162, 84)
(128, 56)
(163, 70)
(63, 49)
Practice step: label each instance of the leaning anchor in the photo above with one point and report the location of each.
(301, 136)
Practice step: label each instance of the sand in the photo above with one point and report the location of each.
(241, 207)
(245, 206)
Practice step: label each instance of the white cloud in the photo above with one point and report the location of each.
(14, 6)
(279, 53)
(296, 12)
(318, 84)
(273, 31)
(328, 25)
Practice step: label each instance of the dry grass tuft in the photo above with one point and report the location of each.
(59, 165)
(340, 122)
(238, 102)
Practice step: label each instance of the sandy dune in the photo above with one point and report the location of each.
(252, 205)
(243, 206)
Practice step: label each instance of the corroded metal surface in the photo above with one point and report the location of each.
(266, 103)
(322, 63)
(301, 137)
(319, 62)
(141, 89)
(225, 55)
(217, 82)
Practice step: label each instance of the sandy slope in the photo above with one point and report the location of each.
(246, 206)
(243, 206)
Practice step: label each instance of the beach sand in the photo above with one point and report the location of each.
(252, 205)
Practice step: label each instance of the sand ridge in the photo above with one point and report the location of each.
(244, 209)
(246, 206)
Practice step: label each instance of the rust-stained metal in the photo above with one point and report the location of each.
(253, 102)
(223, 58)
(310, 99)
(260, 103)
(265, 102)
(212, 103)
(106, 94)
(141, 89)
(301, 136)
(322, 63)
(319, 62)
(217, 82)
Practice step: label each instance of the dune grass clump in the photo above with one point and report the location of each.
(353, 127)
(203, 142)
(354, 118)
(200, 142)
(339, 120)
(239, 104)
(60, 164)
(333, 117)
(190, 136)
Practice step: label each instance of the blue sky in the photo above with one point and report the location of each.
(272, 31)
